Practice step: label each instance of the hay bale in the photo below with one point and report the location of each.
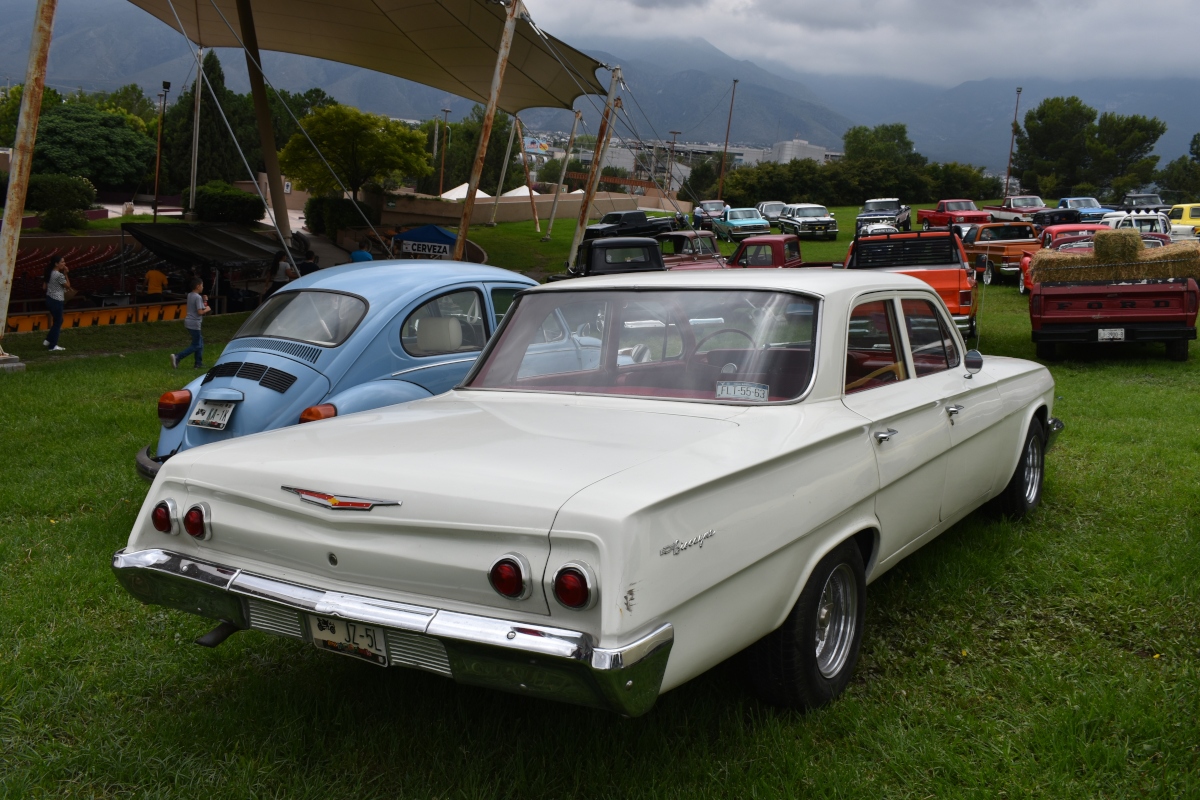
(1114, 259)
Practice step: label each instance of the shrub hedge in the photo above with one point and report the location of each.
(314, 213)
(218, 201)
(340, 213)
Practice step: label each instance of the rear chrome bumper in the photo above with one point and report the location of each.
(962, 321)
(532, 660)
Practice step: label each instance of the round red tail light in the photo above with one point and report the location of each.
(572, 587)
(194, 522)
(507, 577)
(162, 517)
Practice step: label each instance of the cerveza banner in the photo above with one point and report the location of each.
(426, 249)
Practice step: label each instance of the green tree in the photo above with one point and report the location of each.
(550, 171)
(10, 109)
(301, 104)
(1119, 151)
(360, 148)
(613, 172)
(701, 183)
(952, 179)
(77, 139)
(218, 158)
(460, 155)
(1052, 148)
(888, 143)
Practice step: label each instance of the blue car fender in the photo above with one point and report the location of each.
(375, 394)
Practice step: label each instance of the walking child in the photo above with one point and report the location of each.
(197, 307)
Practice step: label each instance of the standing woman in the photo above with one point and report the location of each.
(281, 272)
(57, 284)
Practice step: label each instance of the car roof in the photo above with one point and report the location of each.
(828, 283)
(688, 233)
(623, 241)
(380, 282)
(768, 237)
(807, 205)
(1074, 226)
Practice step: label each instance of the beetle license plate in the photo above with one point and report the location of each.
(212, 414)
(354, 639)
(1111, 335)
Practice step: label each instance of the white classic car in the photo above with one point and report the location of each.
(642, 476)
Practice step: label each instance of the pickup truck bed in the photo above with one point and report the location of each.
(1161, 310)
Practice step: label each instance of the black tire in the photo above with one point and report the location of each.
(1024, 490)
(790, 666)
(1047, 351)
(907, 225)
(1177, 350)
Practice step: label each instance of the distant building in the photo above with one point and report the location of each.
(800, 149)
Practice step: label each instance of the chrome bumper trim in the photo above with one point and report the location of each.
(529, 659)
(962, 321)
(1053, 429)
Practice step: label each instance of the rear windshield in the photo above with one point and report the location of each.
(317, 317)
(713, 205)
(929, 251)
(693, 344)
(1007, 233)
(743, 213)
(811, 211)
(961, 205)
(1027, 202)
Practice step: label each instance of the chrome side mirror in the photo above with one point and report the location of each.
(973, 362)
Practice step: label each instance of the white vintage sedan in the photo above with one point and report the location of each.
(641, 477)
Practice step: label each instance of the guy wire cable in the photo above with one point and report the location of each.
(287, 251)
(387, 244)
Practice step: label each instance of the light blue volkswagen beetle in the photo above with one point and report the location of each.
(341, 340)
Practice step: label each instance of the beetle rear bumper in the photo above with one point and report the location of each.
(147, 465)
(532, 660)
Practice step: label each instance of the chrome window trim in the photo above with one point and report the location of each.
(430, 366)
(470, 287)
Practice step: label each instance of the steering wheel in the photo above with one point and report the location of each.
(704, 339)
(896, 369)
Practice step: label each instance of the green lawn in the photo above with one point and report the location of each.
(1056, 657)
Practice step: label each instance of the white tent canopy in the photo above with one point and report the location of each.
(460, 191)
(520, 191)
(448, 44)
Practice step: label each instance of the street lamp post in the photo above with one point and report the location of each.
(1012, 142)
(671, 161)
(445, 146)
(162, 107)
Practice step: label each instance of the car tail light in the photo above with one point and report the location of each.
(163, 517)
(1035, 304)
(1191, 303)
(173, 407)
(196, 522)
(574, 587)
(964, 297)
(314, 413)
(509, 576)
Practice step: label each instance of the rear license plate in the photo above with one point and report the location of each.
(355, 639)
(212, 414)
(743, 390)
(1111, 335)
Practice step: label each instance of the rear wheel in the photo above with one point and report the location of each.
(989, 274)
(808, 661)
(925, 225)
(1177, 350)
(1021, 283)
(1024, 490)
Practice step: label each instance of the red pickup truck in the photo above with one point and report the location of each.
(957, 212)
(776, 250)
(1018, 208)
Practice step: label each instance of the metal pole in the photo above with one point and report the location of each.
(725, 154)
(262, 112)
(442, 174)
(197, 89)
(528, 184)
(561, 176)
(512, 130)
(485, 130)
(162, 108)
(22, 156)
(1011, 143)
(589, 191)
(671, 162)
(437, 134)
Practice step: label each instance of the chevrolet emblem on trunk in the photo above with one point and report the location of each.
(337, 502)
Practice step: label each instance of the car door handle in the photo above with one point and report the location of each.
(884, 436)
(954, 410)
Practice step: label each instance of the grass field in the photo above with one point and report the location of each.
(1059, 656)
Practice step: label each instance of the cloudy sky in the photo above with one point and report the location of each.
(932, 41)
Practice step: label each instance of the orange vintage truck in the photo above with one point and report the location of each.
(936, 257)
(995, 249)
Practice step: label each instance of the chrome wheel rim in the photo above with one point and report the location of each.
(1021, 285)
(987, 275)
(837, 616)
(1033, 469)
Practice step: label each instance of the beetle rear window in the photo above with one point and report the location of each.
(317, 317)
(694, 344)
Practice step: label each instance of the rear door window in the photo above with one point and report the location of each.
(755, 255)
(791, 251)
(452, 323)
(873, 355)
(502, 300)
(929, 337)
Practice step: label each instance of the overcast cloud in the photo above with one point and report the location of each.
(943, 42)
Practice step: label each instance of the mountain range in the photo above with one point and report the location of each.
(673, 84)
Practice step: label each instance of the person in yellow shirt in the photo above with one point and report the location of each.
(156, 281)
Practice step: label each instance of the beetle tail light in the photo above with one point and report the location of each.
(574, 587)
(173, 407)
(318, 412)
(196, 521)
(509, 576)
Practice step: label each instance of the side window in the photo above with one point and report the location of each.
(1195, 212)
(502, 300)
(933, 348)
(791, 251)
(1177, 213)
(452, 323)
(648, 334)
(872, 352)
(669, 247)
(756, 255)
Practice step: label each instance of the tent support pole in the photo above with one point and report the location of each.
(528, 185)
(589, 193)
(485, 130)
(197, 90)
(22, 157)
(562, 172)
(512, 131)
(262, 112)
